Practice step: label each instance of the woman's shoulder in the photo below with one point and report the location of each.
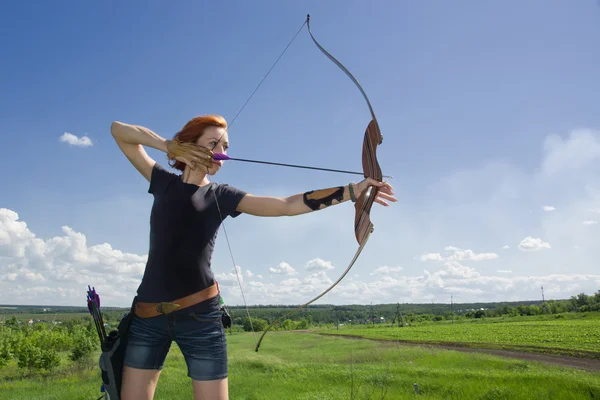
(227, 189)
(229, 198)
(160, 178)
(160, 169)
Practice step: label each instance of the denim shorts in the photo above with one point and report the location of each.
(198, 332)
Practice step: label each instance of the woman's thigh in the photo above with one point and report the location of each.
(148, 343)
(201, 338)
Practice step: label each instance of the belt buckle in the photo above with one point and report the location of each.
(166, 308)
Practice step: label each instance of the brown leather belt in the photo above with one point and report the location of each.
(148, 310)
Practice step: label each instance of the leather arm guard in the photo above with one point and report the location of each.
(323, 197)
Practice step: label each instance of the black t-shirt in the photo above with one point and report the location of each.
(183, 228)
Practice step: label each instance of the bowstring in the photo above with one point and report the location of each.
(214, 194)
(265, 77)
(235, 267)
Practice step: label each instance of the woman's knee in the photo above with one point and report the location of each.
(214, 390)
(139, 384)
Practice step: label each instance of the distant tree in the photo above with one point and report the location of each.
(257, 323)
(35, 358)
(83, 348)
(303, 324)
(580, 300)
(12, 323)
(5, 353)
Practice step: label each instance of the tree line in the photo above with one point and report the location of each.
(579, 303)
(405, 314)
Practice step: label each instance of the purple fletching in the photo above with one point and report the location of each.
(220, 156)
(93, 297)
(96, 299)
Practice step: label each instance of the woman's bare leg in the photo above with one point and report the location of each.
(211, 390)
(139, 384)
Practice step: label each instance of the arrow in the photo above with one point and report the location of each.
(221, 156)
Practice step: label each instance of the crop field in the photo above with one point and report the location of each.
(567, 336)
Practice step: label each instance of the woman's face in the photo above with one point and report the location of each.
(216, 139)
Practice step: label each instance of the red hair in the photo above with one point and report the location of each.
(194, 129)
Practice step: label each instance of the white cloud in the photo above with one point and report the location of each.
(581, 148)
(386, 270)
(548, 208)
(432, 257)
(73, 140)
(458, 255)
(453, 279)
(590, 222)
(506, 247)
(231, 278)
(533, 244)
(283, 268)
(58, 270)
(461, 255)
(318, 265)
(291, 282)
(455, 269)
(318, 278)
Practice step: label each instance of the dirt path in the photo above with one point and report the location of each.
(587, 364)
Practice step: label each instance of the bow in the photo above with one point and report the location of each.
(363, 226)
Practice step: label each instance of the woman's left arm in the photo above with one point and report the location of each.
(302, 203)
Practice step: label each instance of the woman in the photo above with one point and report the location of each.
(178, 298)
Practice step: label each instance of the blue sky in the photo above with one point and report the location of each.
(488, 111)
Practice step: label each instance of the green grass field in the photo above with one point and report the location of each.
(292, 365)
(577, 334)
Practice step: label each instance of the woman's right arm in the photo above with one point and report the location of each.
(131, 139)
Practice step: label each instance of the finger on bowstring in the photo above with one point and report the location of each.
(183, 145)
(205, 155)
(188, 144)
(204, 150)
(190, 147)
(188, 162)
(204, 163)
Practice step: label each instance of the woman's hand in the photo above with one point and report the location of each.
(189, 154)
(385, 190)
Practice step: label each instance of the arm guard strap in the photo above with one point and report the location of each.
(323, 197)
